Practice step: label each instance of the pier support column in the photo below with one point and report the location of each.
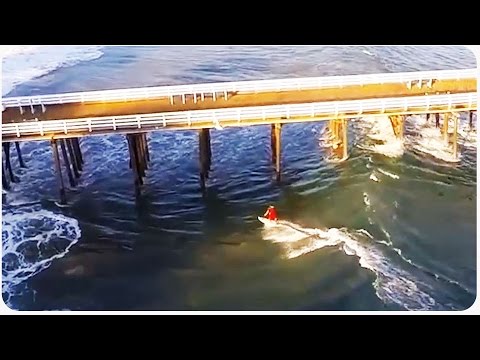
(68, 169)
(19, 155)
(134, 163)
(56, 160)
(445, 127)
(73, 158)
(437, 120)
(209, 150)
(345, 139)
(204, 155)
(78, 153)
(8, 164)
(278, 148)
(470, 119)
(397, 125)
(273, 143)
(338, 129)
(140, 155)
(147, 151)
(5, 183)
(455, 129)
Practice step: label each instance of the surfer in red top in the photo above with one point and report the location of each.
(271, 213)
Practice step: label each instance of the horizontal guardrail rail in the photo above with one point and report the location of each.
(239, 86)
(156, 121)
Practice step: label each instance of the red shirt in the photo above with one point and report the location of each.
(271, 214)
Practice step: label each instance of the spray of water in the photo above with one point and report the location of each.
(392, 284)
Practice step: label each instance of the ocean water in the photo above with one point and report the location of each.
(391, 228)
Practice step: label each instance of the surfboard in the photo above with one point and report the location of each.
(267, 222)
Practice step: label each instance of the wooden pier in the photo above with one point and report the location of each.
(65, 121)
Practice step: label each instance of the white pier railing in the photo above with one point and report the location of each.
(223, 88)
(152, 122)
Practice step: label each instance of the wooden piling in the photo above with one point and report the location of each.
(5, 183)
(56, 160)
(455, 147)
(67, 163)
(75, 161)
(400, 126)
(345, 139)
(437, 120)
(209, 150)
(397, 125)
(147, 151)
(273, 143)
(8, 164)
(139, 154)
(19, 155)
(133, 160)
(144, 151)
(278, 134)
(445, 127)
(470, 119)
(204, 151)
(78, 153)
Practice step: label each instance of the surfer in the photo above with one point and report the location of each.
(271, 213)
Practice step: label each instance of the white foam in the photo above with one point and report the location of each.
(468, 137)
(366, 199)
(24, 63)
(379, 129)
(384, 172)
(429, 140)
(373, 177)
(392, 284)
(32, 238)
